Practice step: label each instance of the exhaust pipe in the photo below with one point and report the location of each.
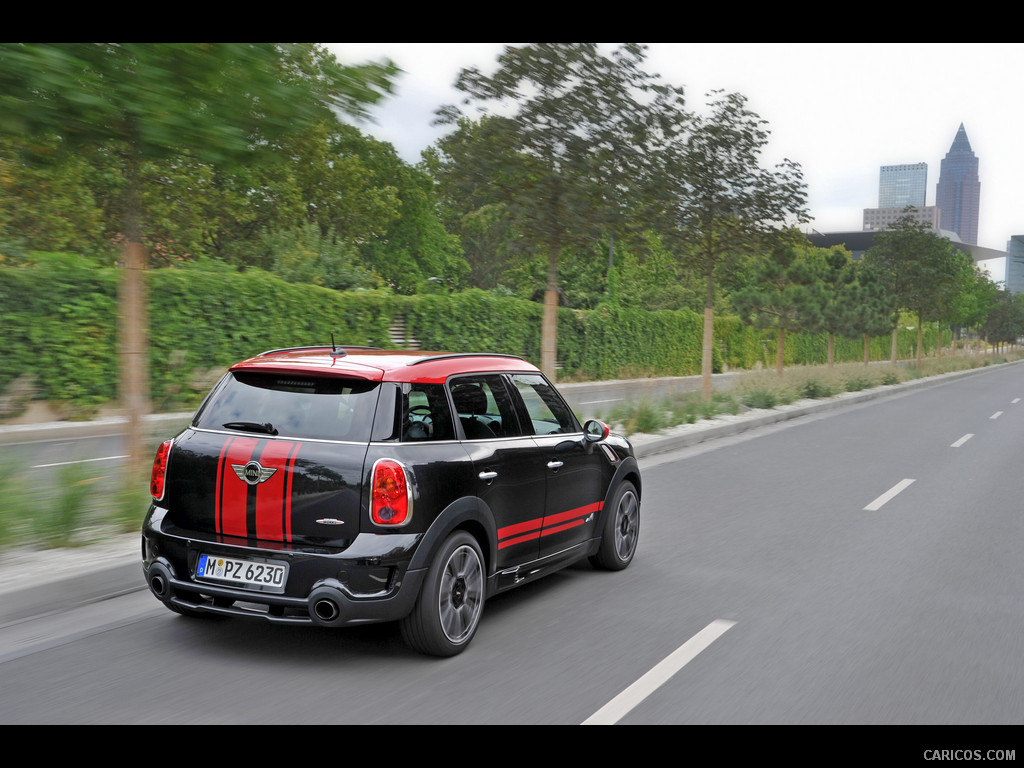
(159, 581)
(325, 606)
(325, 610)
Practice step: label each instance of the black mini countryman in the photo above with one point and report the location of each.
(339, 486)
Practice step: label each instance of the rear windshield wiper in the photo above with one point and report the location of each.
(251, 426)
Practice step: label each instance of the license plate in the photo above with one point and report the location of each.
(246, 573)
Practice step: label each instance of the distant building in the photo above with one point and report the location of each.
(883, 218)
(1003, 266)
(958, 192)
(1014, 277)
(902, 185)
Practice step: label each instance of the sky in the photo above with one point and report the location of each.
(840, 110)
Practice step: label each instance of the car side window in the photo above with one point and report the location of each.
(547, 413)
(484, 407)
(426, 414)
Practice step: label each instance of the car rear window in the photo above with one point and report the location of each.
(323, 408)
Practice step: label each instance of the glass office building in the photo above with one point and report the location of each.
(902, 185)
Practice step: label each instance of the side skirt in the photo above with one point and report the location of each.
(521, 574)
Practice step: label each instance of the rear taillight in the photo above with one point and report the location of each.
(156, 479)
(390, 496)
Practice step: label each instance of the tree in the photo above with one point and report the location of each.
(49, 204)
(472, 205)
(413, 246)
(835, 273)
(719, 204)
(870, 306)
(213, 101)
(784, 294)
(575, 128)
(922, 273)
(976, 297)
(1004, 323)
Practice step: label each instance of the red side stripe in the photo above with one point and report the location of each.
(561, 517)
(519, 540)
(557, 528)
(511, 530)
(552, 524)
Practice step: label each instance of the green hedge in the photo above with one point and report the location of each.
(59, 321)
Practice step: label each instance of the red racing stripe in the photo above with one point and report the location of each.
(272, 495)
(231, 491)
(290, 469)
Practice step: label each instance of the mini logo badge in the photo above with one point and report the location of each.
(253, 473)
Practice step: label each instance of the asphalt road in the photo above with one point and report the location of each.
(852, 566)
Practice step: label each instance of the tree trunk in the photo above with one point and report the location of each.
(549, 323)
(134, 324)
(706, 358)
(920, 339)
(780, 348)
(895, 344)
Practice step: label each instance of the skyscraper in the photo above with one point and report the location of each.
(958, 192)
(902, 185)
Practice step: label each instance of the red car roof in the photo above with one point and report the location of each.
(382, 365)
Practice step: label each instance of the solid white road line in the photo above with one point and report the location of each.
(962, 440)
(79, 461)
(660, 674)
(878, 503)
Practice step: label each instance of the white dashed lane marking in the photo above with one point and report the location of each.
(660, 674)
(878, 503)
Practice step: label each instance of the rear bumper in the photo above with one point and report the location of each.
(368, 582)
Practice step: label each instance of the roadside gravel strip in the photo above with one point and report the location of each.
(33, 582)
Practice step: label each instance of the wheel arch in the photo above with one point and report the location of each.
(468, 514)
(628, 470)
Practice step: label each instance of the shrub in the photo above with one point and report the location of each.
(57, 523)
(641, 416)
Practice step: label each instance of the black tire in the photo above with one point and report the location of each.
(448, 610)
(621, 530)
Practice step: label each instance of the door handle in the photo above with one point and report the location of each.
(487, 475)
(555, 464)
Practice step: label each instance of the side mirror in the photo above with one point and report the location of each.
(595, 431)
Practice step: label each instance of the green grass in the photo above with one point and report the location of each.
(16, 505)
(79, 506)
(59, 522)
